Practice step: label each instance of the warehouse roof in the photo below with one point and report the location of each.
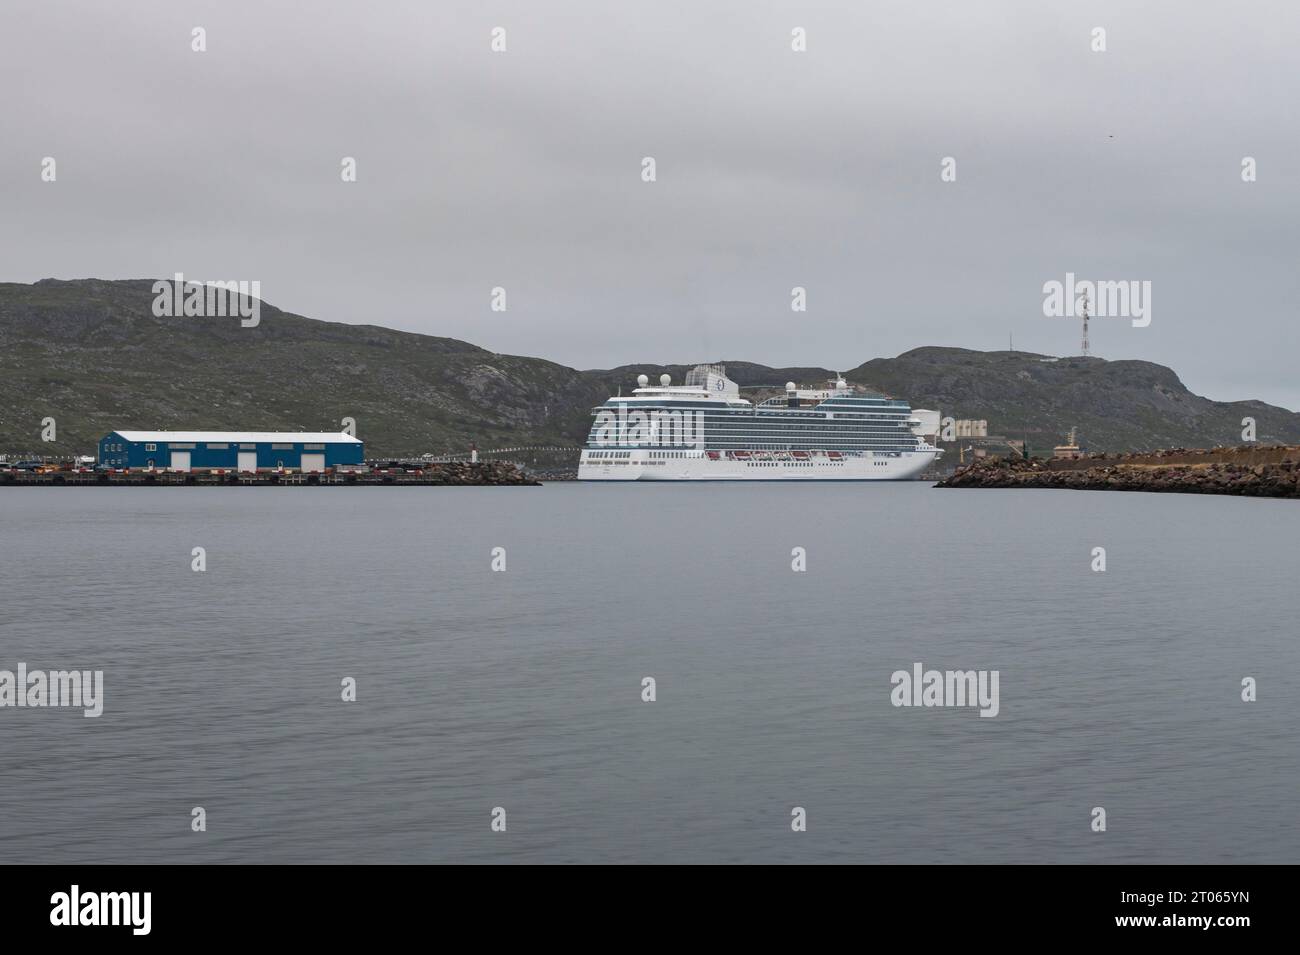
(243, 437)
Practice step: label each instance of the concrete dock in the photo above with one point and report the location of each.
(491, 473)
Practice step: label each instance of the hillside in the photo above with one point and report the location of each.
(91, 354)
(1116, 405)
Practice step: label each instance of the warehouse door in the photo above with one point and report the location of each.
(248, 460)
(313, 462)
(180, 460)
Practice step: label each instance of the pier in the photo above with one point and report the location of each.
(453, 474)
(1251, 471)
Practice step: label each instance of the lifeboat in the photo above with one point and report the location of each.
(800, 455)
(834, 455)
(713, 455)
(741, 455)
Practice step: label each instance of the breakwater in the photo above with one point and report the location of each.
(1269, 471)
(489, 473)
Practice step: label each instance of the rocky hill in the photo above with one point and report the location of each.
(92, 355)
(1116, 405)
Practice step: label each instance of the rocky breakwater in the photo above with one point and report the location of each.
(1272, 471)
(483, 472)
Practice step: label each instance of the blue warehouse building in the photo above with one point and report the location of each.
(229, 450)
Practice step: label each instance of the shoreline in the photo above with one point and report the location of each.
(1251, 471)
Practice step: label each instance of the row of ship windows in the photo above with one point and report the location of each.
(805, 434)
(794, 464)
(865, 403)
(607, 455)
(750, 409)
(661, 455)
(601, 455)
(774, 441)
(764, 414)
(763, 418)
(809, 446)
(892, 449)
(715, 428)
(710, 437)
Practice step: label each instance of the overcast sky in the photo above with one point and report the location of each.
(775, 169)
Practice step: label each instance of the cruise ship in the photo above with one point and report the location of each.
(703, 430)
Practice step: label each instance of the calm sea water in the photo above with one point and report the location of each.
(522, 689)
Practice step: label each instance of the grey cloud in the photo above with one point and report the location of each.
(775, 169)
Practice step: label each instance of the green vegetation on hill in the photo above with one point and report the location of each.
(92, 355)
(1116, 405)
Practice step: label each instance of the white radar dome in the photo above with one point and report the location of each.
(665, 380)
(790, 386)
(642, 380)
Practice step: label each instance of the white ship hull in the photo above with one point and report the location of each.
(651, 465)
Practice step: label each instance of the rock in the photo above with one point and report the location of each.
(1215, 471)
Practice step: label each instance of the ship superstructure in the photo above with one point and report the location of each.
(704, 430)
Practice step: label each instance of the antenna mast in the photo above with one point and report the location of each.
(1085, 324)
